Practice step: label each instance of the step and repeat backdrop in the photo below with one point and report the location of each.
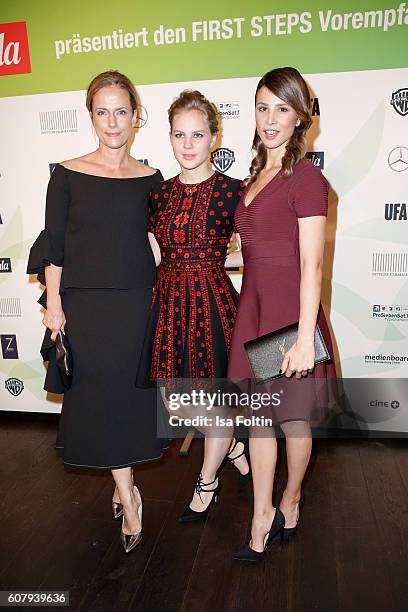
(354, 58)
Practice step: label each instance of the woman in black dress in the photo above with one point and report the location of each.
(95, 258)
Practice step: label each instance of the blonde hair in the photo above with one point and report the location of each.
(288, 85)
(195, 100)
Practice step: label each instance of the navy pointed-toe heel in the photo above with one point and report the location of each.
(290, 531)
(276, 531)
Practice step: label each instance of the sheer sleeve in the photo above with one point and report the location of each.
(49, 246)
(309, 194)
(154, 195)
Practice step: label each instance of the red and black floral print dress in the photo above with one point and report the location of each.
(194, 304)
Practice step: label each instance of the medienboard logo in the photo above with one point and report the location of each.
(390, 312)
(9, 346)
(388, 359)
(14, 50)
(58, 122)
(317, 158)
(5, 264)
(228, 109)
(395, 211)
(389, 264)
(399, 101)
(222, 159)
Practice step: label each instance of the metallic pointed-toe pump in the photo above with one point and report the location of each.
(129, 541)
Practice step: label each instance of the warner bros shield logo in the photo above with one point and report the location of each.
(222, 159)
(399, 101)
(14, 386)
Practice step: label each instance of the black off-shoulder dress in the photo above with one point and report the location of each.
(96, 229)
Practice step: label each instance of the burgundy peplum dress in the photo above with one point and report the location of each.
(269, 298)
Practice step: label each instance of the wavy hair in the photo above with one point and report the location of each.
(288, 85)
(195, 100)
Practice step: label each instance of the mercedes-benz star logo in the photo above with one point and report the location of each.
(398, 159)
(142, 116)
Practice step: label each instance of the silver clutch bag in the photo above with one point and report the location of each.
(266, 353)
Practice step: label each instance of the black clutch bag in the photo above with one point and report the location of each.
(266, 353)
(63, 356)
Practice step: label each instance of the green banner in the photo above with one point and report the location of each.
(68, 43)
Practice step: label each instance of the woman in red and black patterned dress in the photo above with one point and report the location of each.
(195, 304)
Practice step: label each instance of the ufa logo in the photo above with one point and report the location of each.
(14, 51)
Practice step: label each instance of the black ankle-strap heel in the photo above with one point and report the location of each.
(243, 478)
(190, 515)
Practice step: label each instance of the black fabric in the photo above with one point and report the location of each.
(96, 228)
(106, 421)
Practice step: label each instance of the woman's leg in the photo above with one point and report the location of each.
(215, 450)
(218, 441)
(124, 483)
(263, 452)
(298, 450)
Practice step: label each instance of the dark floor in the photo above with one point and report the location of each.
(57, 532)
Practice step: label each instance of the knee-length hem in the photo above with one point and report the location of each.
(270, 294)
(194, 303)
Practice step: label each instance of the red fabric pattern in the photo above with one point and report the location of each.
(195, 301)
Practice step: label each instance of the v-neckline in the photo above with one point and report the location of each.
(260, 191)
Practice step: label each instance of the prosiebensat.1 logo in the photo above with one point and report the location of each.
(14, 50)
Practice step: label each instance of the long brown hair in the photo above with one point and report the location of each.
(288, 85)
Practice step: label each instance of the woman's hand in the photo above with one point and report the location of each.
(54, 319)
(299, 358)
(234, 243)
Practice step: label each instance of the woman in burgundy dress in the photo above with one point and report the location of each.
(281, 224)
(195, 304)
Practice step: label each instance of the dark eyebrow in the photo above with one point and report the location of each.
(116, 109)
(276, 105)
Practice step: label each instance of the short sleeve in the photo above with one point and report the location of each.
(49, 246)
(154, 195)
(242, 189)
(309, 193)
